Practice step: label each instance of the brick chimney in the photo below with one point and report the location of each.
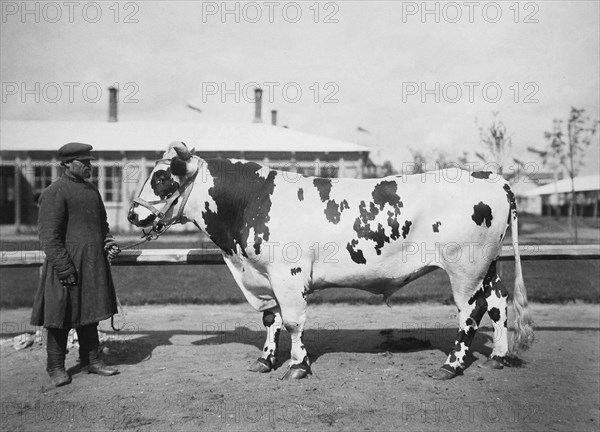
(257, 105)
(112, 104)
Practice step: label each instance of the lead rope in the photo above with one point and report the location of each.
(121, 311)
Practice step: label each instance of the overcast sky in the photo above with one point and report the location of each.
(361, 64)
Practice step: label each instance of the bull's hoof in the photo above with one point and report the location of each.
(444, 374)
(261, 365)
(492, 363)
(297, 371)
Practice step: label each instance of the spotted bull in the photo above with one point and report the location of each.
(284, 236)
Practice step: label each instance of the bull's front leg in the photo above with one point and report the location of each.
(292, 301)
(273, 323)
(299, 366)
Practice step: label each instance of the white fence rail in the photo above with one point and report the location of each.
(28, 258)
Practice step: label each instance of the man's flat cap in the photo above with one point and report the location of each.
(75, 150)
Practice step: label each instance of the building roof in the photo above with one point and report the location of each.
(582, 184)
(156, 136)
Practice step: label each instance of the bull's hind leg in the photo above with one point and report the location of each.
(496, 296)
(273, 323)
(470, 312)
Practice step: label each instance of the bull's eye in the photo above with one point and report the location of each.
(163, 184)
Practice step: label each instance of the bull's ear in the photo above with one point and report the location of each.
(178, 166)
(193, 151)
(184, 168)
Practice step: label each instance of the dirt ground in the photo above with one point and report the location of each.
(184, 368)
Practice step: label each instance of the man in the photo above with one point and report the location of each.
(76, 288)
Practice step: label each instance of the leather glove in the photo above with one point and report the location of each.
(68, 281)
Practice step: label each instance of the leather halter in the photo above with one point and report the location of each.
(159, 224)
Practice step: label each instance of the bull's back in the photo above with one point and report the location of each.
(354, 232)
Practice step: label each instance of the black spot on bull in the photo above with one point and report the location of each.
(386, 193)
(492, 283)
(356, 255)
(323, 185)
(482, 212)
(406, 228)
(383, 193)
(162, 183)
(395, 225)
(494, 314)
(363, 228)
(243, 201)
(481, 174)
(436, 227)
(333, 211)
(300, 194)
(510, 196)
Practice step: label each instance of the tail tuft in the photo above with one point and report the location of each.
(524, 335)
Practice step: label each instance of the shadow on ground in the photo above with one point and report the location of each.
(318, 342)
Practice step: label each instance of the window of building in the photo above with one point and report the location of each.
(43, 176)
(113, 175)
(329, 171)
(95, 175)
(307, 170)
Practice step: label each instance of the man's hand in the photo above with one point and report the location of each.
(112, 248)
(113, 252)
(68, 281)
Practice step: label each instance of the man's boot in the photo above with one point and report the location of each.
(89, 355)
(56, 349)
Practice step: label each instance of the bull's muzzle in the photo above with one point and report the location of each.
(134, 218)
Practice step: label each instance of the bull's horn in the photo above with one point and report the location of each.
(181, 150)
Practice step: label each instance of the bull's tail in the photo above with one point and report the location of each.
(523, 336)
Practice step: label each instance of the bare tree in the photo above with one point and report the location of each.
(387, 169)
(435, 159)
(566, 149)
(496, 143)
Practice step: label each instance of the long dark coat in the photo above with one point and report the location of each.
(73, 228)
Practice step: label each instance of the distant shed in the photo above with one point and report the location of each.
(555, 196)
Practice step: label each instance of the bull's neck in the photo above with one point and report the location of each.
(232, 200)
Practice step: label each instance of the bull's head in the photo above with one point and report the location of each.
(161, 200)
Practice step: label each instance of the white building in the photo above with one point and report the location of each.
(126, 152)
(553, 198)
